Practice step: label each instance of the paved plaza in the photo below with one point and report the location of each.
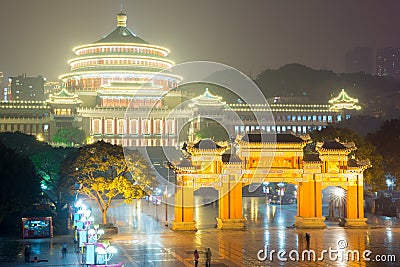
(144, 240)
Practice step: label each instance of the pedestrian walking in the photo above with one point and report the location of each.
(64, 250)
(308, 236)
(208, 257)
(27, 253)
(196, 257)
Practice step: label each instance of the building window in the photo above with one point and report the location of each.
(96, 126)
(109, 126)
(133, 126)
(121, 126)
(145, 126)
(157, 126)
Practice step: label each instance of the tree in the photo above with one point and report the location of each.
(387, 141)
(373, 176)
(103, 172)
(20, 186)
(70, 136)
(47, 165)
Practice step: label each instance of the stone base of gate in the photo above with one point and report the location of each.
(353, 223)
(183, 226)
(313, 222)
(230, 224)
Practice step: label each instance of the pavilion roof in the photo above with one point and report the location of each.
(122, 34)
(206, 144)
(272, 138)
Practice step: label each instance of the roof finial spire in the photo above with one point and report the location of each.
(121, 18)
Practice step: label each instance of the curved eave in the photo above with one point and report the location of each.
(334, 151)
(163, 49)
(359, 169)
(343, 107)
(183, 169)
(232, 163)
(76, 102)
(271, 144)
(110, 56)
(197, 151)
(150, 74)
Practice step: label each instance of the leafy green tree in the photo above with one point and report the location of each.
(70, 136)
(103, 172)
(387, 141)
(212, 130)
(47, 165)
(373, 176)
(20, 186)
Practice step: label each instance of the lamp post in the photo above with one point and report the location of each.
(105, 253)
(166, 165)
(280, 191)
(390, 184)
(94, 233)
(166, 206)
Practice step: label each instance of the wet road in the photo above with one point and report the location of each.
(144, 240)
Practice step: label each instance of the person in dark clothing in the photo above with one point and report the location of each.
(64, 250)
(27, 253)
(308, 236)
(208, 257)
(196, 257)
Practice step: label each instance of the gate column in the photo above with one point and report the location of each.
(309, 203)
(184, 206)
(230, 204)
(354, 208)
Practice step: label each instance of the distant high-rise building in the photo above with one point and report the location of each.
(388, 62)
(1, 77)
(359, 59)
(26, 88)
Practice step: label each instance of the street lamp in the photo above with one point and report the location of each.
(166, 165)
(339, 196)
(105, 254)
(280, 191)
(94, 234)
(390, 184)
(166, 206)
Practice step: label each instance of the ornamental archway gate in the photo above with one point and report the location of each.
(269, 158)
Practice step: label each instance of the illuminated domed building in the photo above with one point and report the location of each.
(120, 69)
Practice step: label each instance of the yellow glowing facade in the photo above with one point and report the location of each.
(264, 157)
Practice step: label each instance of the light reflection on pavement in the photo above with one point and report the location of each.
(143, 239)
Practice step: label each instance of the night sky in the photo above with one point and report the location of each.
(37, 36)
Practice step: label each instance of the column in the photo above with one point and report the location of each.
(230, 204)
(184, 205)
(354, 204)
(309, 203)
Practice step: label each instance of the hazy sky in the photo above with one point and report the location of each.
(37, 36)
